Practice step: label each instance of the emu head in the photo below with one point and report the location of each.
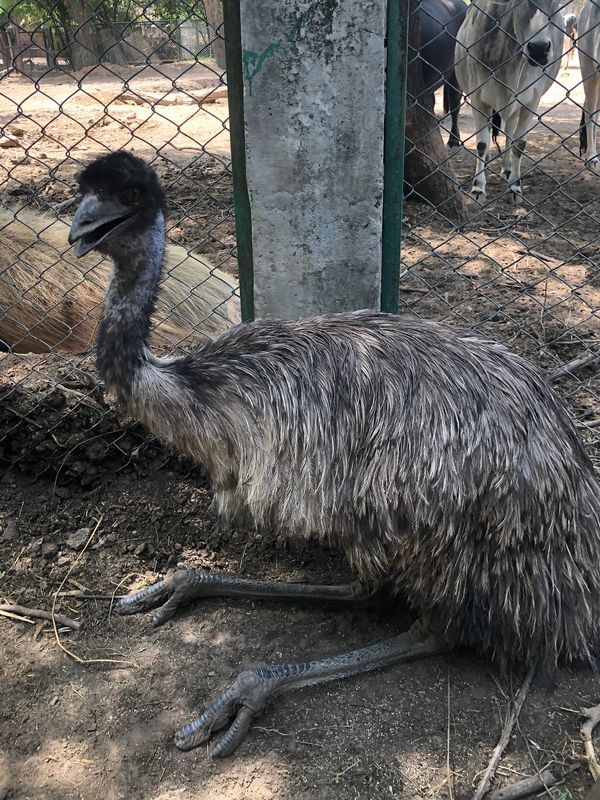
(538, 28)
(121, 201)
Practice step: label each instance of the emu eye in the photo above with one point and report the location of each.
(132, 195)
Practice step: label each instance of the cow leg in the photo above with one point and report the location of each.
(519, 142)
(590, 113)
(482, 137)
(507, 159)
(452, 100)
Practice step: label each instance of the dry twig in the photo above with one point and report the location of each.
(505, 736)
(571, 367)
(55, 600)
(587, 729)
(17, 612)
(538, 783)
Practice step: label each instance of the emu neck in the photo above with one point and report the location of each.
(123, 332)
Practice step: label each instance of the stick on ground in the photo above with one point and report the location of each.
(587, 729)
(573, 366)
(39, 613)
(505, 736)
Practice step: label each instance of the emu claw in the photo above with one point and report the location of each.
(168, 594)
(247, 696)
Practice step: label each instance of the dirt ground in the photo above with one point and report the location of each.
(88, 503)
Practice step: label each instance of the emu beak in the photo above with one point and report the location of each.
(95, 221)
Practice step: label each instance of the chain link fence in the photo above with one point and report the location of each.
(526, 273)
(67, 95)
(523, 273)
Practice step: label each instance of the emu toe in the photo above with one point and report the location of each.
(177, 588)
(250, 693)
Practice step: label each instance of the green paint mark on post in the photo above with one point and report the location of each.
(252, 62)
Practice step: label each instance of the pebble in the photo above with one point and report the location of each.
(11, 531)
(77, 540)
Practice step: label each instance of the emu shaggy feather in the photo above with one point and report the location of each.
(443, 465)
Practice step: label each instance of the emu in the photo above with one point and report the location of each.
(508, 53)
(50, 301)
(588, 47)
(442, 464)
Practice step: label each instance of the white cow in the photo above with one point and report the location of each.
(588, 45)
(507, 55)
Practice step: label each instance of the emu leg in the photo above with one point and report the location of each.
(254, 688)
(185, 585)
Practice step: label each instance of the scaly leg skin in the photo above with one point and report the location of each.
(255, 688)
(185, 585)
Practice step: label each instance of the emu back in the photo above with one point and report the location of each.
(441, 463)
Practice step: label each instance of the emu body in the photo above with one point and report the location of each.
(51, 301)
(442, 465)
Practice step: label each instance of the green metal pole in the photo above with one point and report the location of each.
(241, 198)
(393, 151)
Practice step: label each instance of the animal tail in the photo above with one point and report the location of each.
(50, 300)
(496, 126)
(582, 134)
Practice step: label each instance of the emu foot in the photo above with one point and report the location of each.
(176, 588)
(247, 696)
(185, 585)
(254, 688)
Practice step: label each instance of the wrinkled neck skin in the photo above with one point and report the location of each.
(123, 332)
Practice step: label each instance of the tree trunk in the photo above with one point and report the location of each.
(81, 34)
(214, 18)
(5, 49)
(427, 173)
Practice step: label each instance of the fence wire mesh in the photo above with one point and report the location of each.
(81, 79)
(523, 267)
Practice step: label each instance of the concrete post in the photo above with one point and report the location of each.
(314, 103)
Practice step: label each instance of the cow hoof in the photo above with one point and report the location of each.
(505, 173)
(478, 195)
(593, 164)
(515, 195)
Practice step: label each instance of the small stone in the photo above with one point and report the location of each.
(11, 531)
(140, 549)
(49, 548)
(54, 700)
(62, 561)
(8, 141)
(77, 540)
(17, 132)
(36, 545)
